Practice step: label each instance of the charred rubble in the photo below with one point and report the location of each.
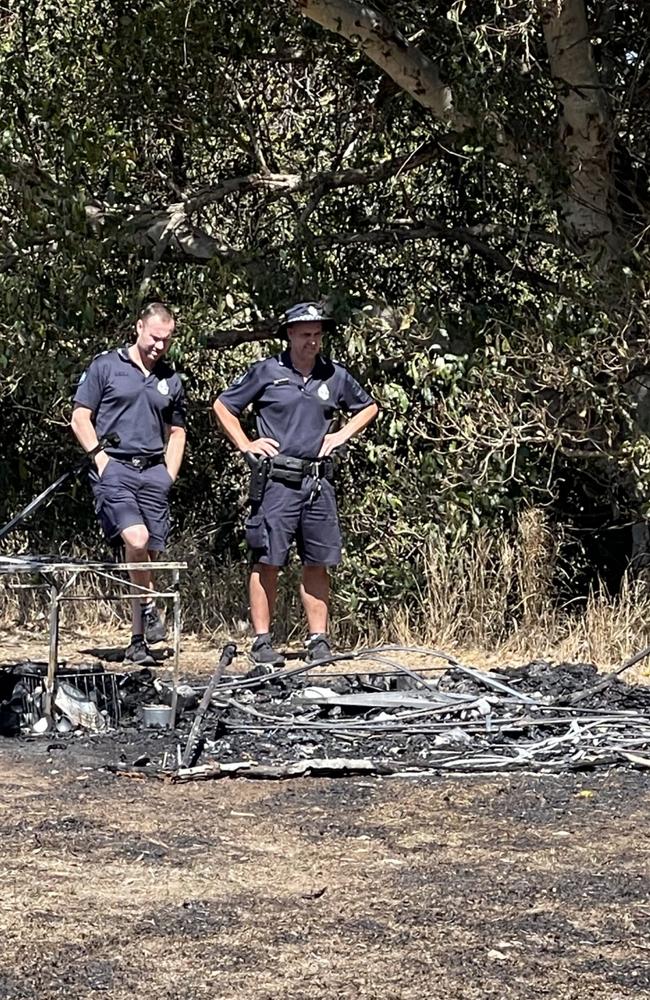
(389, 719)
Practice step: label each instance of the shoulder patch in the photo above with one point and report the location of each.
(249, 371)
(83, 377)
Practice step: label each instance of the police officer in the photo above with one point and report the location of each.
(133, 393)
(295, 396)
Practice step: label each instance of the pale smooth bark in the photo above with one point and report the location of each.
(585, 130)
(381, 42)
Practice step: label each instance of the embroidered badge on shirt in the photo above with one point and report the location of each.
(323, 392)
(163, 387)
(83, 378)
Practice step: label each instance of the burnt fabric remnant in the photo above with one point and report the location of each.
(339, 717)
(87, 697)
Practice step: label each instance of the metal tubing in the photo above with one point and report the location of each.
(50, 571)
(176, 646)
(35, 564)
(53, 655)
(117, 597)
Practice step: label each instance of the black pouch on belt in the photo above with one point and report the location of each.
(286, 469)
(327, 469)
(259, 474)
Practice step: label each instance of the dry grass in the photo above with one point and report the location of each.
(320, 889)
(490, 590)
(491, 594)
(495, 595)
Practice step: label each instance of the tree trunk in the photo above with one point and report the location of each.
(586, 133)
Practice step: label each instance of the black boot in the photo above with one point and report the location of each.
(137, 651)
(318, 648)
(154, 629)
(264, 656)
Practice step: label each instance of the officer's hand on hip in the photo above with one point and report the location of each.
(101, 461)
(330, 443)
(267, 447)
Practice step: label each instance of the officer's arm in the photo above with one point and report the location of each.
(354, 426)
(232, 428)
(175, 450)
(85, 433)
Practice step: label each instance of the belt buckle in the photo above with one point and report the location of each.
(137, 462)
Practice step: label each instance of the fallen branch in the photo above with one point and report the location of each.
(318, 766)
(579, 696)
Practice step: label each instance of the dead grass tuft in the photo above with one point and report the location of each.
(494, 595)
(489, 593)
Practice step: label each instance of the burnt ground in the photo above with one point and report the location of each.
(518, 886)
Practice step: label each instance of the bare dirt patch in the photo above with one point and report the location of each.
(515, 887)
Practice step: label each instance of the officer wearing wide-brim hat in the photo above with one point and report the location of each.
(306, 312)
(295, 396)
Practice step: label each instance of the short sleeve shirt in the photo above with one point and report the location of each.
(295, 411)
(125, 401)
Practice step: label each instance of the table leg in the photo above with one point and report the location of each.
(177, 645)
(53, 655)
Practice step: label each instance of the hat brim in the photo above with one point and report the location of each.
(328, 325)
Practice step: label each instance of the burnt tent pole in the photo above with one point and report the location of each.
(193, 745)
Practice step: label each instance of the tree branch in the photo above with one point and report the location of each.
(242, 335)
(409, 67)
(174, 227)
(380, 40)
(281, 184)
(256, 145)
(171, 229)
(434, 230)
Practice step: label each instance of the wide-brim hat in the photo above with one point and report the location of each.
(306, 312)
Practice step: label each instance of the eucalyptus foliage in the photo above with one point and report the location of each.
(477, 224)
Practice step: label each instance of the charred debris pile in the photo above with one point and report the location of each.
(360, 712)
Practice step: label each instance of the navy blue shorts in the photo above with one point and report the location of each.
(125, 496)
(286, 514)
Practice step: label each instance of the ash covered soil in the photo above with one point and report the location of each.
(465, 887)
(521, 886)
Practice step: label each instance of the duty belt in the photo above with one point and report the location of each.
(286, 469)
(139, 461)
(289, 470)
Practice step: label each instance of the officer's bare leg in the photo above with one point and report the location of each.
(153, 555)
(315, 597)
(136, 541)
(262, 592)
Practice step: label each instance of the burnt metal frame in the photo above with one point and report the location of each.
(59, 577)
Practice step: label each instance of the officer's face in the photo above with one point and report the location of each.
(154, 338)
(305, 339)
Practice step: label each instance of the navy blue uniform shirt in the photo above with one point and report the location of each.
(127, 402)
(295, 411)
